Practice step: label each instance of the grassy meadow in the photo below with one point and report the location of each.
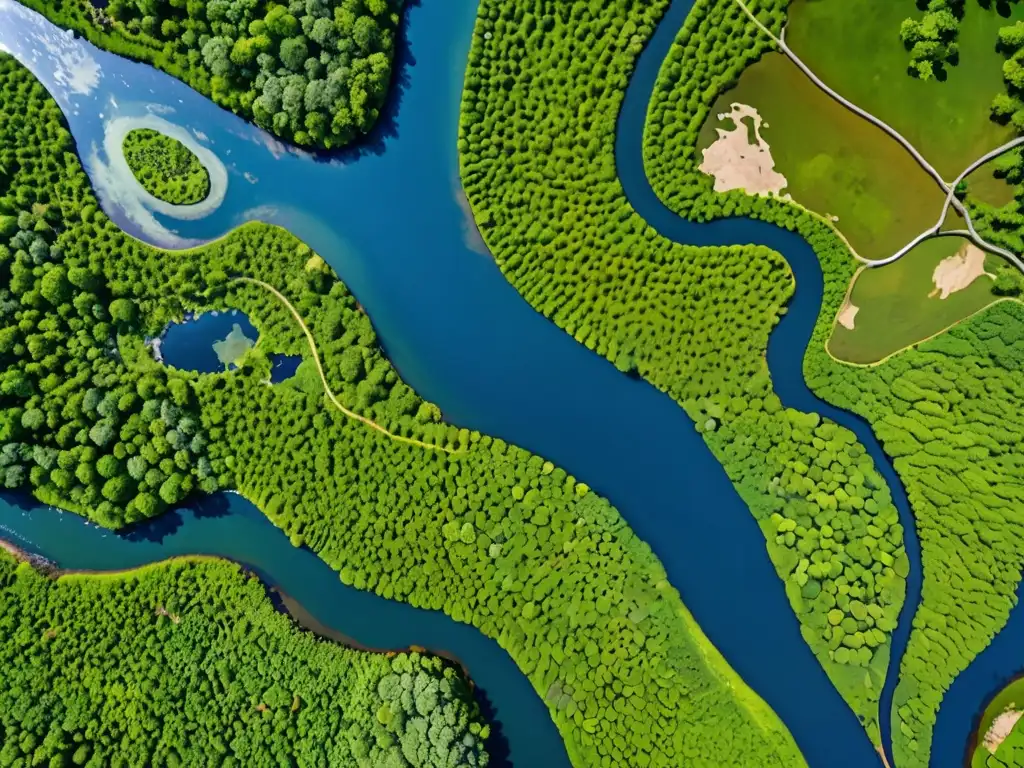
(896, 309)
(836, 163)
(854, 46)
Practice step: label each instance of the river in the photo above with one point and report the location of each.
(390, 218)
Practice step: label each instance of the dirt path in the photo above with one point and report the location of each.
(323, 378)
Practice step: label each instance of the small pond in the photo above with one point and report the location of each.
(283, 367)
(208, 343)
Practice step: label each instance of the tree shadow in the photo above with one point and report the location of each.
(497, 742)
(167, 524)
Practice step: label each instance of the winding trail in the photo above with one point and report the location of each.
(948, 189)
(323, 378)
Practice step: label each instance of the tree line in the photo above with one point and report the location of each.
(186, 663)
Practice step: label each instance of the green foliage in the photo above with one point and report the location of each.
(490, 534)
(165, 167)
(1010, 753)
(73, 412)
(538, 165)
(313, 72)
(187, 663)
(931, 39)
(947, 412)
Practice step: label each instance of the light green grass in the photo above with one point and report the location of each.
(896, 310)
(1012, 696)
(854, 46)
(836, 163)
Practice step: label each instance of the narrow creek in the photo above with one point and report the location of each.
(390, 218)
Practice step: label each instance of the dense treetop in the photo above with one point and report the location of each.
(947, 412)
(492, 535)
(186, 663)
(537, 143)
(314, 72)
(165, 167)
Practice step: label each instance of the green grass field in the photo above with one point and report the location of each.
(854, 46)
(836, 163)
(896, 310)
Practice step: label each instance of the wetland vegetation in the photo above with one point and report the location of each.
(692, 321)
(165, 167)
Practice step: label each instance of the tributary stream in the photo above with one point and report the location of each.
(390, 218)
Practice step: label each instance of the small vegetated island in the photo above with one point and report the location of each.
(165, 167)
(944, 391)
(313, 72)
(346, 459)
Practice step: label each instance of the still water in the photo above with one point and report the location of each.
(390, 219)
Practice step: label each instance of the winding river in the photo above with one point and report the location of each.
(390, 218)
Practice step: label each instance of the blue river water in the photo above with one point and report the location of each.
(390, 218)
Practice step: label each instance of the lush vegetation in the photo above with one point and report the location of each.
(948, 412)
(898, 306)
(542, 95)
(314, 72)
(187, 663)
(77, 426)
(1009, 755)
(165, 167)
(489, 534)
(931, 39)
(853, 45)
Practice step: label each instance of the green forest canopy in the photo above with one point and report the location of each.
(186, 663)
(492, 535)
(537, 153)
(948, 413)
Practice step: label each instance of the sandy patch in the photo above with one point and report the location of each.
(232, 349)
(736, 163)
(956, 272)
(847, 315)
(1000, 729)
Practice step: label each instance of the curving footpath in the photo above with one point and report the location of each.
(323, 378)
(948, 189)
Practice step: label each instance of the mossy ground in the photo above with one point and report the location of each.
(896, 310)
